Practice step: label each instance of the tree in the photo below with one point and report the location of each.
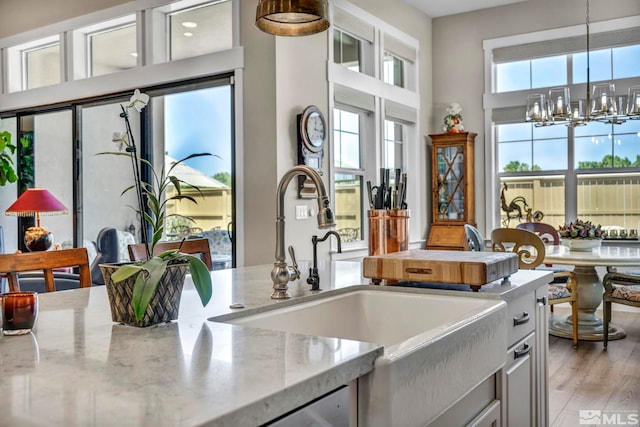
(609, 161)
(516, 166)
(223, 177)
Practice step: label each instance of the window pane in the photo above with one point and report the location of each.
(514, 147)
(393, 70)
(544, 194)
(346, 139)
(348, 207)
(199, 121)
(393, 146)
(201, 30)
(515, 156)
(513, 76)
(105, 177)
(593, 152)
(551, 71)
(597, 146)
(513, 131)
(550, 154)
(42, 66)
(627, 148)
(113, 50)
(51, 135)
(626, 62)
(599, 66)
(346, 51)
(610, 200)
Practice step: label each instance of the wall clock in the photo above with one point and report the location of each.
(312, 130)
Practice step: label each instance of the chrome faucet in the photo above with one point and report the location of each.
(282, 274)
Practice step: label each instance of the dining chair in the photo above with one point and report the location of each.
(137, 251)
(620, 288)
(47, 262)
(531, 251)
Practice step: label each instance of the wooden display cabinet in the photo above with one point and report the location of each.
(452, 194)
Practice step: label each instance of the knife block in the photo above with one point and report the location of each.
(388, 231)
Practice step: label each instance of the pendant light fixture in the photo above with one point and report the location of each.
(601, 104)
(292, 17)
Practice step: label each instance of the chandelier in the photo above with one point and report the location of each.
(601, 103)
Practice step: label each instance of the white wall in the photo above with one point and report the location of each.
(458, 59)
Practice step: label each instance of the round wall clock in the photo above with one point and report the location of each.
(312, 131)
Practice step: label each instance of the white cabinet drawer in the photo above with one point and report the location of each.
(521, 317)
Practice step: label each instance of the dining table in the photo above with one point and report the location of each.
(590, 288)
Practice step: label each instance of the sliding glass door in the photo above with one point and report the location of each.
(104, 177)
(178, 122)
(199, 121)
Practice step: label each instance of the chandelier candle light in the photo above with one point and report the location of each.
(601, 103)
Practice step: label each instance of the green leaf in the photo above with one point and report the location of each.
(125, 271)
(146, 285)
(168, 254)
(201, 277)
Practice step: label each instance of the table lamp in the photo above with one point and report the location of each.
(36, 201)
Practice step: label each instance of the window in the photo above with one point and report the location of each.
(349, 175)
(39, 64)
(200, 30)
(346, 51)
(374, 124)
(393, 70)
(393, 149)
(604, 64)
(112, 50)
(588, 171)
(523, 147)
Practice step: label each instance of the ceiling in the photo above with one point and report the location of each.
(436, 8)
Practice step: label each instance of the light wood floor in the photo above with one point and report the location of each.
(590, 377)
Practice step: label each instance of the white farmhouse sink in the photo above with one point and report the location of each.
(436, 348)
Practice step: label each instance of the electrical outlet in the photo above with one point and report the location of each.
(301, 212)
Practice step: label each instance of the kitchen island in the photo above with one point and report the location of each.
(79, 368)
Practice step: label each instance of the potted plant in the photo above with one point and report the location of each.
(581, 235)
(148, 292)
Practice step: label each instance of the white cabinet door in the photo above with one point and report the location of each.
(519, 383)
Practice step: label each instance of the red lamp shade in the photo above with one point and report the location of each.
(36, 201)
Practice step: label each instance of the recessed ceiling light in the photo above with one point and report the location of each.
(189, 24)
(187, 34)
(134, 54)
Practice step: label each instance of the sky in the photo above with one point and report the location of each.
(200, 122)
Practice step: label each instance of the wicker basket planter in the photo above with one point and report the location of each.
(164, 305)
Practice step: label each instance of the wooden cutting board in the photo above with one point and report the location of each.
(464, 267)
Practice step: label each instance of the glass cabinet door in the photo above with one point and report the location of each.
(450, 163)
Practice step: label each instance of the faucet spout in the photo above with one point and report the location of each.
(281, 273)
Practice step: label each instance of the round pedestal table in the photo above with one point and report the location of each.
(590, 287)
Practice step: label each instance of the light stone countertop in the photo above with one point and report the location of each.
(80, 368)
